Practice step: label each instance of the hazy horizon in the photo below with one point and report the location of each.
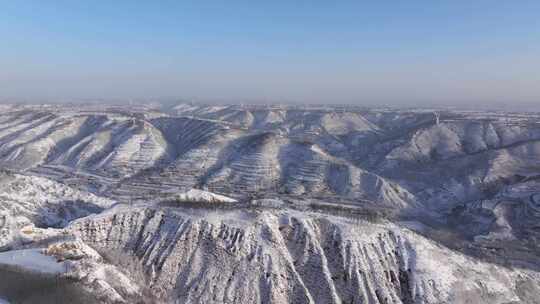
(415, 53)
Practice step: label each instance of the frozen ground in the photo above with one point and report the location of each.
(274, 204)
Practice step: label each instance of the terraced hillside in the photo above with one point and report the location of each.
(143, 154)
(274, 204)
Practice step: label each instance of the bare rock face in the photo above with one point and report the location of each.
(290, 257)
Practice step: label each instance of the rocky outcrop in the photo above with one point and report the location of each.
(289, 257)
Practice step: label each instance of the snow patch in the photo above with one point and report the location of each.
(32, 259)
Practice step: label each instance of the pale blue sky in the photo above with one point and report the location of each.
(398, 52)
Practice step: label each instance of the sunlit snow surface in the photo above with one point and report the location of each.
(274, 204)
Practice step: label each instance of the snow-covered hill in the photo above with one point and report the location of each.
(274, 204)
(290, 257)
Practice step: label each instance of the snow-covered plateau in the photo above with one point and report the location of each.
(268, 204)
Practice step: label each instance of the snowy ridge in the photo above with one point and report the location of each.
(30, 200)
(287, 257)
(195, 195)
(273, 204)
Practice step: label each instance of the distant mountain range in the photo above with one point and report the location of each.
(276, 203)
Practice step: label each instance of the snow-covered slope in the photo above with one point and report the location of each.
(30, 200)
(289, 257)
(195, 195)
(275, 204)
